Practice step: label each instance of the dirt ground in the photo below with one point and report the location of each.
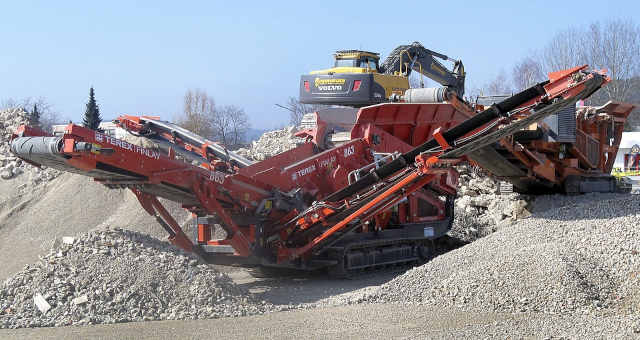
(29, 222)
(380, 321)
(372, 322)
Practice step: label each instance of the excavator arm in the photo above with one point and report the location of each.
(405, 58)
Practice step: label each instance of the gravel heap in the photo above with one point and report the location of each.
(583, 257)
(117, 276)
(271, 143)
(11, 166)
(480, 209)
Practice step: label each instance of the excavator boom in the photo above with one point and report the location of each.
(405, 58)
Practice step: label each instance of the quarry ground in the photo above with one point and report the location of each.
(570, 270)
(357, 321)
(318, 307)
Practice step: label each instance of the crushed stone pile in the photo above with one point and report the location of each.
(11, 166)
(480, 209)
(582, 257)
(118, 276)
(271, 143)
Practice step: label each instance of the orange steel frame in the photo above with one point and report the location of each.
(318, 174)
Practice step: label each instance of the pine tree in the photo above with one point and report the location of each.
(34, 116)
(92, 114)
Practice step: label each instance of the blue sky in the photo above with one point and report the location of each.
(141, 56)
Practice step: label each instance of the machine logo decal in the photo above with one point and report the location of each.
(126, 145)
(303, 172)
(329, 84)
(327, 162)
(349, 151)
(217, 177)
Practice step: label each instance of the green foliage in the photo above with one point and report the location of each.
(34, 116)
(92, 117)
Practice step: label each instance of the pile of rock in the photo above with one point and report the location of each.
(11, 166)
(579, 258)
(480, 209)
(271, 143)
(117, 276)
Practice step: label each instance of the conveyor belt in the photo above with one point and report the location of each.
(218, 150)
(46, 151)
(481, 119)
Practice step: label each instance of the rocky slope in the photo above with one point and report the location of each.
(116, 276)
(581, 256)
(270, 144)
(10, 166)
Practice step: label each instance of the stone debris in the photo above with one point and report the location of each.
(581, 256)
(271, 143)
(11, 166)
(480, 209)
(140, 141)
(68, 240)
(80, 300)
(41, 303)
(117, 276)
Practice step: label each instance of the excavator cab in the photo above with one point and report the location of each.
(354, 80)
(356, 59)
(352, 61)
(358, 79)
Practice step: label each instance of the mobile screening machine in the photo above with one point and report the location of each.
(382, 195)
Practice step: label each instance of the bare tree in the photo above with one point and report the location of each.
(227, 125)
(198, 112)
(527, 73)
(297, 110)
(614, 46)
(48, 115)
(49, 119)
(221, 126)
(498, 86)
(238, 123)
(566, 49)
(230, 125)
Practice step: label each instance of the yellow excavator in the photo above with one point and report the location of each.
(357, 79)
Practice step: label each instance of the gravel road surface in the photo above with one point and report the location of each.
(374, 321)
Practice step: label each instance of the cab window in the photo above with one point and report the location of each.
(368, 63)
(344, 63)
